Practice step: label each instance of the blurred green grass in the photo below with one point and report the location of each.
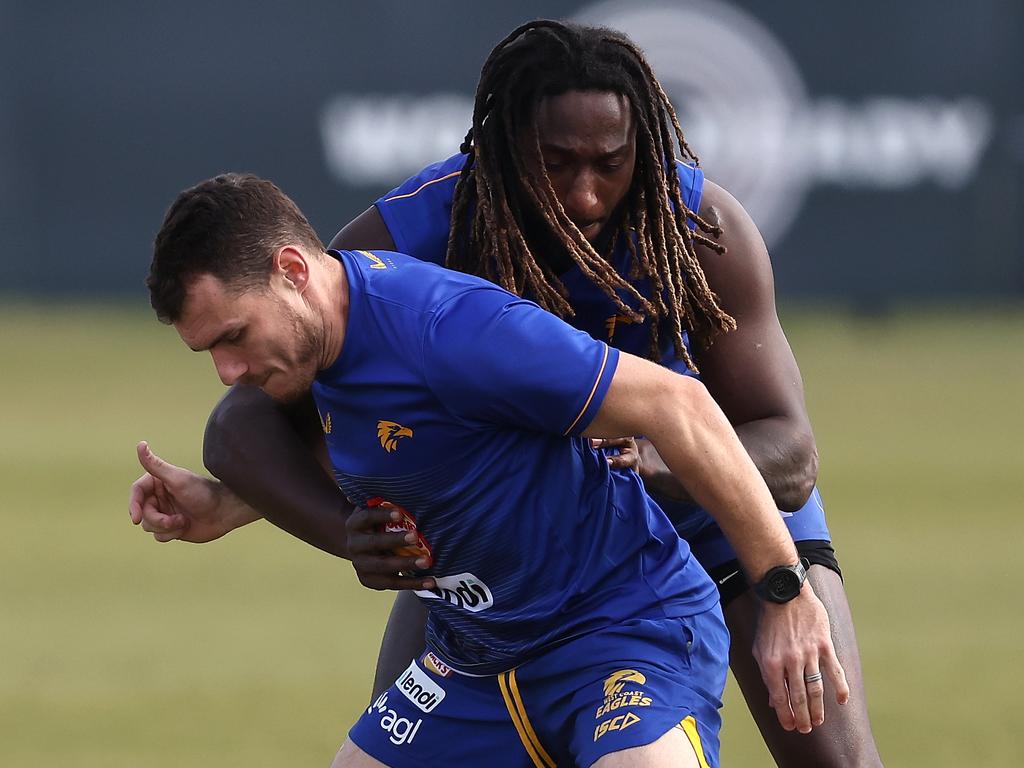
(258, 650)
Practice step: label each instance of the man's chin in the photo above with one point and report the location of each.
(285, 395)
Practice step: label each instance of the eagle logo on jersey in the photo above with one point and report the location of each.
(378, 263)
(389, 432)
(617, 680)
(611, 322)
(325, 423)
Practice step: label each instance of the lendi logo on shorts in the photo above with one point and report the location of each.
(401, 730)
(464, 590)
(418, 688)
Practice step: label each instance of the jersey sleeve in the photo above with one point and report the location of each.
(418, 212)
(691, 185)
(490, 356)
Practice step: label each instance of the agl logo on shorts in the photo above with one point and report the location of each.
(401, 730)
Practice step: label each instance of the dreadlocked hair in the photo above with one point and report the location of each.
(547, 58)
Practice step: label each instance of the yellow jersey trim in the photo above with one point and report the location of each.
(516, 710)
(689, 726)
(597, 381)
(422, 187)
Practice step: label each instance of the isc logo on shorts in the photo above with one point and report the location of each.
(418, 688)
(620, 723)
(401, 730)
(464, 590)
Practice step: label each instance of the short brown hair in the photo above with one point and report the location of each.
(229, 226)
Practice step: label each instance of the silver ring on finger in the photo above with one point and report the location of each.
(808, 679)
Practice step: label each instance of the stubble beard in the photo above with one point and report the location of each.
(309, 347)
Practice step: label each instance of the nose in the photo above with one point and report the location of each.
(582, 202)
(229, 368)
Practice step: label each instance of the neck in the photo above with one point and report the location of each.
(333, 311)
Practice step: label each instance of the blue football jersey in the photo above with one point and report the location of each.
(417, 213)
(464, 405)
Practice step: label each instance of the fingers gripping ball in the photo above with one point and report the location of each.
(406, 523)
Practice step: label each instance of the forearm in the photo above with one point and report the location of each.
(234, 512)
(702, 450)
(255, 450)
(785, 456)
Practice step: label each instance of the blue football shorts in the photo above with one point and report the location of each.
(619, 687)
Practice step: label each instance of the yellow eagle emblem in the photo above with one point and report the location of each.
(389, 432)
(616, 681)
(378, 263)
(612, 321)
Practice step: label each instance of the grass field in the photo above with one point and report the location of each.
(258, 650)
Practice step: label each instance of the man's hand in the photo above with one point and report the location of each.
(628, 456)
(373, 551)
(173, 503)
(794, 650)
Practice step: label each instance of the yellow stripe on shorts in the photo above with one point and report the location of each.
(689, 726)
(516, 710)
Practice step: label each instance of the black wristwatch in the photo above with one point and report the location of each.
(783, 582)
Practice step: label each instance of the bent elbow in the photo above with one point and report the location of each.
(216, 451)
(801, 482)
(223, 440)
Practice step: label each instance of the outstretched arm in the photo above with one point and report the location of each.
(751, 372)
(267, 455)
(697, 443)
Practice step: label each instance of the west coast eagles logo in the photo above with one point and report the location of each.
(618, 697)
(617, 681)
(389, 432)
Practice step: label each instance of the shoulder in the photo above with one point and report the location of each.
(399, 279)
(436, 177)
(742, 276)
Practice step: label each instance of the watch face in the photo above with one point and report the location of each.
(783, 584)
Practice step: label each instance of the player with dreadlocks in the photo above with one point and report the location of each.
(503, 149)
(567, 191)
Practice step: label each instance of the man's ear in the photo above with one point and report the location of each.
(292, 266)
